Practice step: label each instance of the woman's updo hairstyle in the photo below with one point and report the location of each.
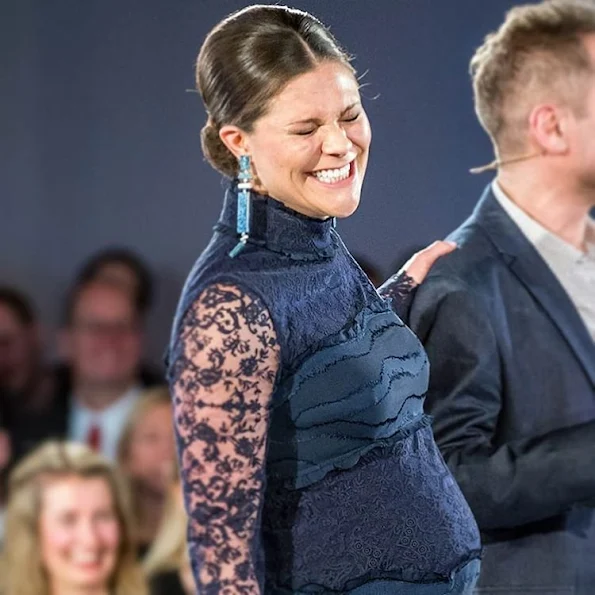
(246, 60)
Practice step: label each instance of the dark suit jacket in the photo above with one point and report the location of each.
(29, 429)
(512, 390)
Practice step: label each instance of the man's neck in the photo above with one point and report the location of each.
(97, 397)
(562, 211)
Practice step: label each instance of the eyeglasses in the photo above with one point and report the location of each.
(99, 328)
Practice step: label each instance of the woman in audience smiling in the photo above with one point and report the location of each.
(147, 457)
(67, 527)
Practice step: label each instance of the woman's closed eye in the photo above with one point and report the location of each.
(312, 130)
(352, 118)
(305, 132)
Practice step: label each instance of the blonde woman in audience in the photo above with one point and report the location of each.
(67, 527)
(147, 457)
(167, 564)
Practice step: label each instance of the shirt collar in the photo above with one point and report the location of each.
(539, 236)
(119, 406)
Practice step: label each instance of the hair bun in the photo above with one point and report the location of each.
(215, 151)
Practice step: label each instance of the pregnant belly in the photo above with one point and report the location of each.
(397, 513)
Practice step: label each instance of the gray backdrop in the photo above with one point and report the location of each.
(99, 136)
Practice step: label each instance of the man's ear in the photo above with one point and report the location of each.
(548, 129)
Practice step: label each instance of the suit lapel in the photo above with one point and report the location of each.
(546, 289)
(532, 271)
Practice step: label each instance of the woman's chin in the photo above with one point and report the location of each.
(345, 208)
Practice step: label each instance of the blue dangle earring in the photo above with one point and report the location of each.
(244, 203)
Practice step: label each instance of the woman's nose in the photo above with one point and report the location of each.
(336, 141)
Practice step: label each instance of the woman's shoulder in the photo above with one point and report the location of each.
(252, 267)
(270, 278)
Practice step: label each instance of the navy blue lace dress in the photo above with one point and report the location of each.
(307, 461)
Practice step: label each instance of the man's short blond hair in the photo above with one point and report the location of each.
(537, 54)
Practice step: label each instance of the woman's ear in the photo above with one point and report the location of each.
(234, 139)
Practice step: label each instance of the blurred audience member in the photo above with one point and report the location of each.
(19, 341)
(26, 384)
(23, 377)
(372, 271)
(102, 345)
(67, 527)
(167, 565)
(123, 266)
(147, 456)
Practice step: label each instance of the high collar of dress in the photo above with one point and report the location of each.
(279, 228)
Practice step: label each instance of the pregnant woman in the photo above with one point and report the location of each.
(307, 462)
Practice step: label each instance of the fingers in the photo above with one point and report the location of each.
(420, 264)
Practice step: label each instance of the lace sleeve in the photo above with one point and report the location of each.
(224, 365)
(400, 290)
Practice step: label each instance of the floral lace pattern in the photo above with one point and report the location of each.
(400, 289)
(222, 372)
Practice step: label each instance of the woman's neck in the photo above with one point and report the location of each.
(61, 589)
(280, 228)
(149, 513)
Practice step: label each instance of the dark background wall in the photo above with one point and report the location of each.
(99, 135)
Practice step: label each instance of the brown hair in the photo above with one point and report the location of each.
(21, 571)
(19, 304)
(539, 48)
(246, 60)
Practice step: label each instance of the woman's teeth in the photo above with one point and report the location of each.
(331, 176)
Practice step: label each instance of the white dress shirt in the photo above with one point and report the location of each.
(574, 269)
(110, 421)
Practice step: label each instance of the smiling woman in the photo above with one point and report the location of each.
(310, 149)
(307, 462)
(67, 527)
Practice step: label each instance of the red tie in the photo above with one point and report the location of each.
(94, 437)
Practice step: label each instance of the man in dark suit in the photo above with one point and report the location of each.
(508, 319)
(94, 390)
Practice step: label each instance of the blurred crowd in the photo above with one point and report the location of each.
(89, 493)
